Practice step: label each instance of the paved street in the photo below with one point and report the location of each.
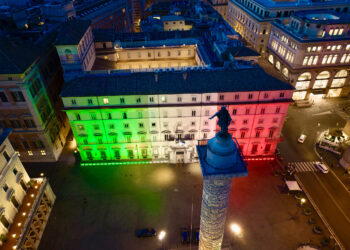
(124, 198)
(328, 193)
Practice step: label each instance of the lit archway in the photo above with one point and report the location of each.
(303, 81)
(285, 72)
(339, 78)
(321, 80)
(270, 58)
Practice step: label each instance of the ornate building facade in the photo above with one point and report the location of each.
(312, 52)
(161, 115)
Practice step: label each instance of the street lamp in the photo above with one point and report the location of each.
(237, 231)
(161, 236)
(302, 201)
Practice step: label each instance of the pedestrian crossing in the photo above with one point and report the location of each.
(304, 166)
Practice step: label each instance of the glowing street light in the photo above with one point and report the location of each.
(302, 201)
(236, 229)
(161, 235)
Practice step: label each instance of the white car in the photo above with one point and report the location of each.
(322, 167)
(302, 138)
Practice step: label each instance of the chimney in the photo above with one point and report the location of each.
(156, 77)
(184, 75)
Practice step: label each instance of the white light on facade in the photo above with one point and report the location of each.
(236, 229)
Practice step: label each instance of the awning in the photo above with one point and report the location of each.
(154, 132)
(293, 186)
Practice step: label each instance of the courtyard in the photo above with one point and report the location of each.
(100, 207)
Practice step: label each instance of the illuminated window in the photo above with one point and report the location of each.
(321, 80)
(270, 59)
(329, 47)
(43, 152)
(310, 60)
(341, 31)
(347, 47)
(306, 58)
(163, 98)
(334, 47)
(105, 100)
(299, 95)
(334, 92)
(336, 32)
(338, 47)
(308, 49)
(324, 59)
(303, 81)
(319, 48)
(315, 60)
(334, 59)
(331, 32)
(30, 153)
(314, 48)
(339, 78)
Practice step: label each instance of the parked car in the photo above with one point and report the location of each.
(322, 167)
(302, 138)
(185, 235)
(145, 232)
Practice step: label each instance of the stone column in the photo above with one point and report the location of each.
(215, 198)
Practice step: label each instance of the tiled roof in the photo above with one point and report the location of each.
(71, 32)
(147, 83)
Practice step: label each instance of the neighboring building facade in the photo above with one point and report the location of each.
(75, 47)
(58, 11)
(108, 15)
(313, 53)
(220, 6)
(26, 203)
(252, 18)
(173, 23)
(29, 103)
(152, 115)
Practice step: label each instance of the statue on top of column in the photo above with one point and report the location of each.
(224, 120)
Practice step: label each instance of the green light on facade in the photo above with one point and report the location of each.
(84, 164)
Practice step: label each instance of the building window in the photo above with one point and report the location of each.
(271, 133)
(7, 157)
(109, 116)
(124, 115)
(234, 111)
(266, 95)
(179, 99)
(151, 99)
(138, 100)
(257, 134)
(166, 137)
(274, 120)
(77, 117)
(303, 81)
(74, 101)
(15, 124)
(17, 96)
(193, 123)
(250, 96)
(247, 111)
(122, 101)
(193, 112)
(278, 109)
(236, 97)
(207, 113)
(221, 97)
(165, 124)
(339, 78)
(208, 97)
(262, 111)
(281, 94)
(96, 127)
(141, 125)
(163, 98)
(153, 124)
(93, 116)
(321, 80)
(194, 99)
(126, 125)
(105, 100)
(260, 121)
(5, 187)
(30, 153)
(25, 144)
(15, 171)
(3, 96)
(42, 152)
(90, 101)
(29, 123)
(242, 134)
(205, 122)
(205, 135)
(80, 127)
(111, 126)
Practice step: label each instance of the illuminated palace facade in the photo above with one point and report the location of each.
(312, 52)
(162, 115)
(252, 18)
